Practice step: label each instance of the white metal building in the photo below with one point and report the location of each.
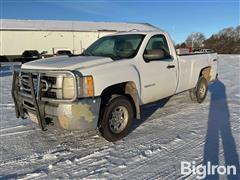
(47, 35)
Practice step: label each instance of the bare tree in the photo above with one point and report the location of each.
(195, 40)
(225, 41)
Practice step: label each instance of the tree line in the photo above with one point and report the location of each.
(226, 41)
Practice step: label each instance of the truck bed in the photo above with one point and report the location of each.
(190, 64)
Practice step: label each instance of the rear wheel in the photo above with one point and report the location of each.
(117, 116)
(199, 93)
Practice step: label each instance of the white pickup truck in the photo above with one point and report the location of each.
(104, 87)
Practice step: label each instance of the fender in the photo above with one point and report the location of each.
(114, 73)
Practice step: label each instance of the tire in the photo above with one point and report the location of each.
(117, 117)
(199, 93)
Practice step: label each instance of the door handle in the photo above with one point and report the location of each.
(170, 66)
(214, 59)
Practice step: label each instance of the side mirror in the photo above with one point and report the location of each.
(44, 52)
(153, 55)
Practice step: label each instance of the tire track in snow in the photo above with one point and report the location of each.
(133, 146)
(38, 158)
(16, 130)
(147, 161)
(190, 146)
(139, 139)
(139, 142)
(12, 128)
(17, 133)
(71, 169)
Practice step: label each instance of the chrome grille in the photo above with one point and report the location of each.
(47, 85)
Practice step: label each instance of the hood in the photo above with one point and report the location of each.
(66, 63)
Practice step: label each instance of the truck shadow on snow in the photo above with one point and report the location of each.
(219, 131)
(147, 111)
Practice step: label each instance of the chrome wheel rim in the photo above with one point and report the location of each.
(202, 90)
(118, 119)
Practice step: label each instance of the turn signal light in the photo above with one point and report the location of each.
(88, 86)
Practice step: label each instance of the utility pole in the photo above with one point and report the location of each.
(192, 41)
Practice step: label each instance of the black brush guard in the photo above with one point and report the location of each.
(38, 105)
(35, 95)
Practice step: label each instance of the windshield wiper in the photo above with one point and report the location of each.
(115, 57)
(101, 55)
(86, 54)
(73, 55)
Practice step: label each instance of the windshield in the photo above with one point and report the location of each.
(115, 47)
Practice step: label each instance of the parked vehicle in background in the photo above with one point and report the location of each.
(104, 87)
(63, 52)
(199, 50)
(3, 59)
(207, 51)
(30, 55)
(183, 51)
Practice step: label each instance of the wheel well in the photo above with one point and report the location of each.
(205, 72)
(127, 89)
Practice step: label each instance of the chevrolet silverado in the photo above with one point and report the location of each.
(104, 87)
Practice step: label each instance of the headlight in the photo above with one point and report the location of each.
(68, 87)
(85, 86)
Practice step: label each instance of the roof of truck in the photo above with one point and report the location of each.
(139, 32)
(57, 25)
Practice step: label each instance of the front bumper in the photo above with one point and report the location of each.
(74, 114)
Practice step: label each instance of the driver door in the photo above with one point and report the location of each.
(158, 76)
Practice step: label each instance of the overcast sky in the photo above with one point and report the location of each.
(179, 18)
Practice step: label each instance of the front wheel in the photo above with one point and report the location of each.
(117, 117)
(199, 93)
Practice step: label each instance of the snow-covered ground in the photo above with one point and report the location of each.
(170, 131)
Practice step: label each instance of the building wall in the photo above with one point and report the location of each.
(14, 42)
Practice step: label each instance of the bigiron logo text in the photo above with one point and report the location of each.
(201, 171)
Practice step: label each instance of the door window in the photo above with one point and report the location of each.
(158, 44)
